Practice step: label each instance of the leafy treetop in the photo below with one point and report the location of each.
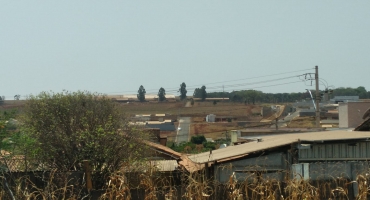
(161, 94)
(72, 127)
(141, 93)
(183, 91)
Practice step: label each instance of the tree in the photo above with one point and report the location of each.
(361, 92)
(72, 127)
(161, 94)
(252, 95)
(141, 93)
(198, 139)
(6, 129)
(17, 97)
(196, 93)
(183, 91)
(203, 93)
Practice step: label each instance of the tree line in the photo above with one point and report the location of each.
(198, 93)
(248, 96)
(253, 96)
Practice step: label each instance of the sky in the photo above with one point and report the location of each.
(113, 47)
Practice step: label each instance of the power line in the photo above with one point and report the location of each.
(260, 76)
(191, 87)
(244, 84)
(231, 86)
(271, 85)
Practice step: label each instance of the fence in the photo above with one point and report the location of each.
(182, 185)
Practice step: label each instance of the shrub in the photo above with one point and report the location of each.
(72, 127)
(200, 139)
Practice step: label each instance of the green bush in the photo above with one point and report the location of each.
(200, 139)
(209, 145)
(182, 146)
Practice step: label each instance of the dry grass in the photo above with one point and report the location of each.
(207, 128)
(197, 186)
(55, 186)
(302, 122)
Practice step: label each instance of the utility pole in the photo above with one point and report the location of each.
(317, 100)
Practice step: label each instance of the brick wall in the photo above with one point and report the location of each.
(350, 113)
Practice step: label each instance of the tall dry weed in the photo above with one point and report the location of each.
(197, 186)
(117, 188)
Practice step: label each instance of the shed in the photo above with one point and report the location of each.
(275, 155)
(211, 118)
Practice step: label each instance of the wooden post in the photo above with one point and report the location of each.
(276, 123)
(87, 175)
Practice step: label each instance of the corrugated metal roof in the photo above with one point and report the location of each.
(163, 127)
(275, 141)
(164, 149)
(183, 160)
(165, 165)
(154, 122)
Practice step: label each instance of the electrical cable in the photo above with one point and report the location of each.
(194, 86)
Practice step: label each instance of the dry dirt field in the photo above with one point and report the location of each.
(198, 113)
(198, 109)
(306, 122)
(11, 104)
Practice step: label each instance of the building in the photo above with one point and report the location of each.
(338, 99)
(133, 97)
(211, 118)
(318, 156)
(167, 129)
(365, 125)
(350, 113)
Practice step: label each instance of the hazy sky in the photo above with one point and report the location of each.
(113, 47)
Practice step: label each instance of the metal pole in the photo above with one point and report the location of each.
(317, 97)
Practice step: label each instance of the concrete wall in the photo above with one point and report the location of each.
(343, 115)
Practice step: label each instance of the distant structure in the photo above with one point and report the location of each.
(133, 97)
(351, 113)
(338, 99)
(211, 118)
(365, 125)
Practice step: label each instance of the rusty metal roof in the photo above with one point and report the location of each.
(164, 149)
(272, 141)
(182, 159)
